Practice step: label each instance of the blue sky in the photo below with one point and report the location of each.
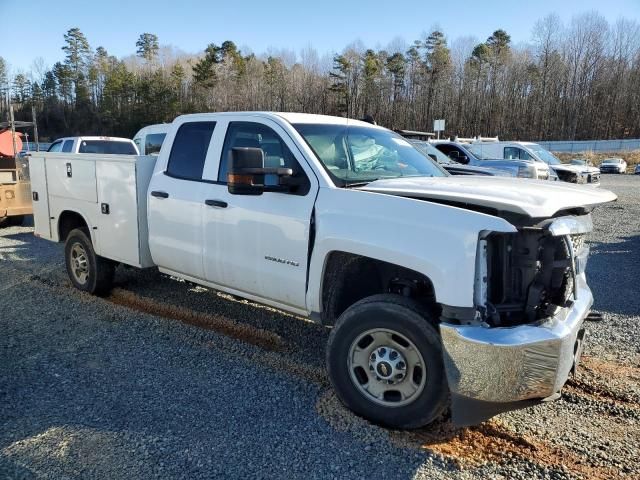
(327, 25)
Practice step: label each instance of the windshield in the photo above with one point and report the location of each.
(545, 155)
(356, 154)
(107, 146)
(432, 152)
(610, 161)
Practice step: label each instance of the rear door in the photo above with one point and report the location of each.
(176, 200)
(259, 244)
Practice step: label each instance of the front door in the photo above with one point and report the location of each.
(258, 244)
(176, 202)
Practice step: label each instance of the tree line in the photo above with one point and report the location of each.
(572, 81)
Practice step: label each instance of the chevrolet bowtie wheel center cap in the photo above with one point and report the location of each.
(388, 364)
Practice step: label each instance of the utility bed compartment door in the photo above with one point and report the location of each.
(122, 221)
(40, 196)
(71, 176)
(118, 221)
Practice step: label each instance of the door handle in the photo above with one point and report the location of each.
(216, 203)
(159, 194)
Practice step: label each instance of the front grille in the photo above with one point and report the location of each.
(529, 275)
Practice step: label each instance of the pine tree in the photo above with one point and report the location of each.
(148, 46)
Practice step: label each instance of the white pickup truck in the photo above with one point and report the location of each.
(460, 292)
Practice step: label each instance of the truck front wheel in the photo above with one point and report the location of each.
(87, 271)
(384, 359)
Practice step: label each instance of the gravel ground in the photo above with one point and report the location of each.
(165, 379)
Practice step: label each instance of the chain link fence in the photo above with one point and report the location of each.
(585, 146)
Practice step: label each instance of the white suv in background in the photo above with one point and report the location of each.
(613, 165)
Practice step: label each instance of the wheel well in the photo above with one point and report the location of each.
(349, 278)
(69, 221)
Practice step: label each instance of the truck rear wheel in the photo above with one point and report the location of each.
(384, 359)
(87, 271)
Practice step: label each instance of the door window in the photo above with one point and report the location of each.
(68, 146)
(516, 153)
(276, 153)
(189, 150)
(55, 147)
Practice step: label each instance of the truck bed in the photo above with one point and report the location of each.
(109, 191)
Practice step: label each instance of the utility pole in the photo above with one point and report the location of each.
(35, 127)
(13, 130)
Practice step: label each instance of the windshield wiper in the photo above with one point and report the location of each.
(355, 184)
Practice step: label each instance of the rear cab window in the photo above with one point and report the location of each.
(189, 150)
(107, 147)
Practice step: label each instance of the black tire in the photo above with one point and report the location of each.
(406, 317)
(99, 270)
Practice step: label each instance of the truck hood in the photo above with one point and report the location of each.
(459, 169)
(575, 168)
(533, 198)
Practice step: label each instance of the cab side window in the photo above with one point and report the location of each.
(68, 146)
(511, 153)
(55, 147)
(189, 150)
(516, 153)
(276, 153)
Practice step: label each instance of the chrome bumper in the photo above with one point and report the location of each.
(490, 369)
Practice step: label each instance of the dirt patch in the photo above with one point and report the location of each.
(245, 333)
(603, 380)
(465, 447)
(608, 369)
(494, 442)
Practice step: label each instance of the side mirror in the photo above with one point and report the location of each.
(246, 173)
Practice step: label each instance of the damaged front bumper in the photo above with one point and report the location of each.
(493, 370)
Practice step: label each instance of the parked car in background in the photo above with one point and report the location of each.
(461, 153)
(455, 168)
(533, 151)
(150, 138)
(637, 169)
(613, 165)
(101, 145)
